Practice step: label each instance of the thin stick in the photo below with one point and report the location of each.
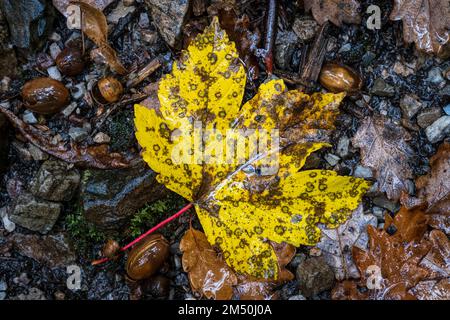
(271, 29)
(142, 236)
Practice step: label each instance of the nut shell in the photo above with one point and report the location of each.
(110, 88)
(45, 95)
(146, 258)
(339, 78)
(70, 61)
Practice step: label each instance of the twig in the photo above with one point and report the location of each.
(142, 236)
(137, 77)
(271, 29)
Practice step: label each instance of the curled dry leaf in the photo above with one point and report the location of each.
(95, 27)
(244, 202)
(62, 5)
(385, 149)
(426, 23)
(336, 11)
(336, 244)
(396, 252)
(90, 157)
(208, 272)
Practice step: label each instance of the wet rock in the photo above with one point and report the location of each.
(7, 224)
(4, 143)
(439, 129)
(404, 69)
(428, 116)
(69, 109)
(445, 91)
(35, 214)
(111, 197)
(297, 297)
(29, 117)
(78, 91)
(119, 12)
(33, 294)
(363, 172)
(285, 45)
(305, 28)
(447, 109)
(410, 105)
(3, 288)
(382, 89)
(169, 16)
(55, 181)
(31, 21)
(382, 201)
(54, 73)
(36, 153)
(435, 76)
(314, 276)
(332, 159)
(342, 146)
(101, 138)
(78, 134)
(52, 251)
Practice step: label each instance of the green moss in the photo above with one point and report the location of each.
(153, 213)
(83, 234)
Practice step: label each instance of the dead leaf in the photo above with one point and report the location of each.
(434, 187)
(426, 23)
(62, 5)
(336, 11)
(385, 149)
(240, 204)
(397, 251)
(347, 290)
(336, 244)
(246, 38)
(208, 273)
(95, 27)
(438, 262)
(90, 157)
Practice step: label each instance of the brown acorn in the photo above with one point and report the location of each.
(110, 89)
(339, 78)
(70, 61)
(146, 258)
(110, 249)
(45, 95)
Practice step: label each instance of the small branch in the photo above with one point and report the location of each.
(142, 236)
(137, 77)
(271, 29)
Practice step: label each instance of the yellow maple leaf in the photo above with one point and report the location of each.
(198, 140)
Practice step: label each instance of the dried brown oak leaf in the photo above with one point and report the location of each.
(385, 149)
(438, 262)
(336, 11)
(89, 157)
(209, 274)
(434, 188)
(95, 27)
(397, 251)
(426, 23)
